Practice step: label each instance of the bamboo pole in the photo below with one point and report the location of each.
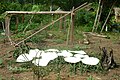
(42, 29)
(80, 7)
(41, 12)
(106, 20)
(68, 35)
(98, 21)
(76, 9)
(96, 18)
(107, 17)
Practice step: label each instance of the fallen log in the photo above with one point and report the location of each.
(95, 34)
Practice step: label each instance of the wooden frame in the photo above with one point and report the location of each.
(10, 13)
(66, 13)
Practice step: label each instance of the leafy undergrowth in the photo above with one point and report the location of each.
(57, 39)
(58, 66)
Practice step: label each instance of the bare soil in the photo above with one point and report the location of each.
(95, 43)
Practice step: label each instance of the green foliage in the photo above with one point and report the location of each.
(3, 7)
(84, 17)
(58, 41)
(27, 7)
(1, 61)
(84, 20)
(40, 72)
(2, 16)
(0, 77)
(14, 7)
(17, 69)
(23, 48)
(80, 47)
(35, 8)
(90, 78)
(37, 38)
(26, 65)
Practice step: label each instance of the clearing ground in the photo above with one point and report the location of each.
(95, 43)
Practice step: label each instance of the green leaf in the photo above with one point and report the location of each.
(1, 61)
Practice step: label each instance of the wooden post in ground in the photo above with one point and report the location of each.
(7, 26)
(64, 23)
(61, 22)
(17, 22)
(23, 18)
(72, 27)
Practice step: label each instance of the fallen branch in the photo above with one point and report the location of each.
(96, 34)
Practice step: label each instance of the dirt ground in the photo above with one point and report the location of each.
(95, 42)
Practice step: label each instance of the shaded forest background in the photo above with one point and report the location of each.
(84, 18)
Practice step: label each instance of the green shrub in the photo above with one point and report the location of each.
(14, 6)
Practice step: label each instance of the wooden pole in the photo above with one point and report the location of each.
(72, 27)
(61, 22)
(17, 22)
(98, 21)
(7, 29)
(68, 35)
(23, 18)
(7, 26)
(33, 12)
(42, 29)
(80, 7)
(106, 20)
(64, 23)
(83, 5)
(107, 17)
(96, 18)
(7, 21)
